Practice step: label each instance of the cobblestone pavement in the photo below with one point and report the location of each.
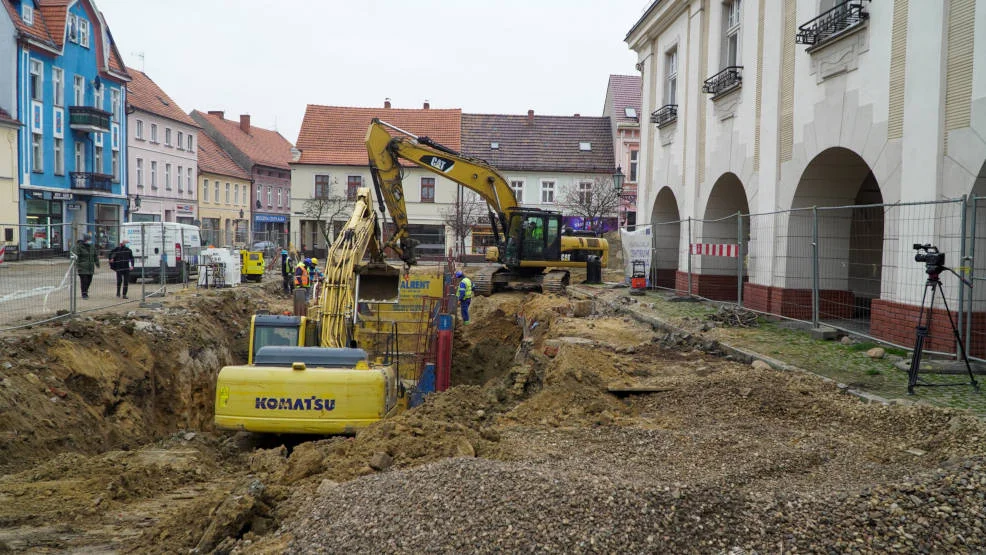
(781, 343)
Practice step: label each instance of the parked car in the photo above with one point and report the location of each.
(264, 245)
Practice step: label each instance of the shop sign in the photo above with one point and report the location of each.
(34, 195)
(184, 207)
(270, 218)
(61, 196)
(73, 206)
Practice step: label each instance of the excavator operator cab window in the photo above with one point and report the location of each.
(533, 247)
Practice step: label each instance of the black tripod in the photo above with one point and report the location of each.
(934, 284)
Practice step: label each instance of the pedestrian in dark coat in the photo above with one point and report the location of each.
(86, 262)
(121, 262)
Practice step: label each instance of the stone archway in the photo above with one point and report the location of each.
(666, 224)
(850, 231)
(714, 274)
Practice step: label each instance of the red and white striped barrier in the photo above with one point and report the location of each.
(711, 249)
(3, 249)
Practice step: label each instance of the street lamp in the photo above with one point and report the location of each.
(618, 178)
(135, 206)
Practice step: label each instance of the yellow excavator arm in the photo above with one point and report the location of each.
(386, 151)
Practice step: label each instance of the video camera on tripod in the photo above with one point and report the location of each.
(934, 265)
(934, 260)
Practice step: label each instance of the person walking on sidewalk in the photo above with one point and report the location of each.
(121, 262)
(465, 295)
(86, 262)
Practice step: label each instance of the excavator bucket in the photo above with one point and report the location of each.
(378, 283)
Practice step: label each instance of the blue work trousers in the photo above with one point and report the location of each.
(464, 305)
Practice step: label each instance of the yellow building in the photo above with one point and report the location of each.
(9, 202)
(224, 197)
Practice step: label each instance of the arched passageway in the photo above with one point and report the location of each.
(666, 223)
(716, 268)
(849, 225)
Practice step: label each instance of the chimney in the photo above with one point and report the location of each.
(530, 117)
(427, 104)
(245, 123)
(386, 103)
(218, 113)
(576, 115)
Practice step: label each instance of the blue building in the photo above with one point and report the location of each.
(70, 86)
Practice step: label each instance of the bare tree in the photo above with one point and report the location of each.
(591, 201)
(324, 210)
(464, 215)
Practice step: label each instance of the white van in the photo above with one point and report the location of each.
(180, 248)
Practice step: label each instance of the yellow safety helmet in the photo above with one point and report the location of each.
(315, 261)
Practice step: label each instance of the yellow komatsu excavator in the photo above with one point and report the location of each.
(532, 249)
(306, 373)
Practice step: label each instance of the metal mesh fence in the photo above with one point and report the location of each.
(57, 270)
(848, 267)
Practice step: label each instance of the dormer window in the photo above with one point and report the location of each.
(78, 30)
(630, 112)
(585, 145)
(27, 14)
(494, 146)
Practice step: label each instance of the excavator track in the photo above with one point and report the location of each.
(483, 280)
(555, 281)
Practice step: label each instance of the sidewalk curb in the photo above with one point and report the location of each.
(742, 355)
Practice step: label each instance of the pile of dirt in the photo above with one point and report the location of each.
(109, 381)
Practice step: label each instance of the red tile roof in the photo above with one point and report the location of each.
(213, 159)
(261, 146)
(624, 91)
(550, 143)
(55, 13)
(144, 94)
(37, 31)
(6, 118)
(336, 135)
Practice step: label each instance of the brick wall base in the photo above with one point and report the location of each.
(719, 288)
(897, 323)
(664, 278)
(796, 303)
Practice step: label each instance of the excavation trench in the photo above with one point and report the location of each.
(109, 444)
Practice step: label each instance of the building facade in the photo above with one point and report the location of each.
(769, 105)
(162, 149)
(9, 192)
(224, 196)
(332, 164)
(70, 87)
(266, 156)
(551, 162)
(622, 107)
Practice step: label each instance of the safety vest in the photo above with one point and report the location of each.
(465, 288)
(301, 280)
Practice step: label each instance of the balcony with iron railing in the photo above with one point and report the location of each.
(87, 181)
(724, 81)
(665, 115)
(832, 23)
(88, 119)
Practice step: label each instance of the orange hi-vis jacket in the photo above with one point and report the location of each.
(301, 275)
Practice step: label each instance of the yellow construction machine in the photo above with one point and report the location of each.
(532, 249)
(306, 373)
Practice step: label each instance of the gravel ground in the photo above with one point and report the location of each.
(484, 506)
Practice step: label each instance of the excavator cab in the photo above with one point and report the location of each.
(533, 235)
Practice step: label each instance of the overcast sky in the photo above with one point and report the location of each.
(270, 58)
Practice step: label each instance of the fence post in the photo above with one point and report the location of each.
(689, 266)
(971, 260)
(143, 264)
(164, 263)
(814, 267)
(72, 270)
(962, 254)
(739, 258)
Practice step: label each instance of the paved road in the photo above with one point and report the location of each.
(38, 289)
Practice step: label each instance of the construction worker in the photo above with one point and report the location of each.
(314, 270)
(301, 278)
(286, 272)
(465, 295)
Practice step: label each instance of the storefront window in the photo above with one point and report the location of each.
(44, 229)
(107, 226)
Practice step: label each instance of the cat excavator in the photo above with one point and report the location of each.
(533, 251)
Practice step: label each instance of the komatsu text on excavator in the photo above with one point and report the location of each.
(532, 249)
